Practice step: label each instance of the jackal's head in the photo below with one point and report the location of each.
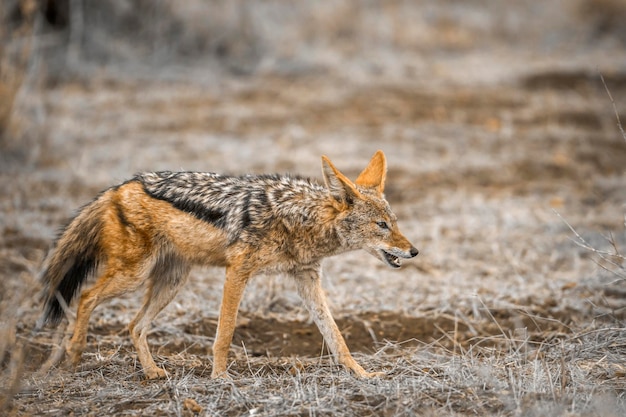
(364, 219)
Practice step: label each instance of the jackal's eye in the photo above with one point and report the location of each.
(383, 225)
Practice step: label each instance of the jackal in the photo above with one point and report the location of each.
(154, 227)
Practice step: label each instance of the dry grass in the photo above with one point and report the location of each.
(525, 373)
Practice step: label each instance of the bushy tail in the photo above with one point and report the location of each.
(76, 255)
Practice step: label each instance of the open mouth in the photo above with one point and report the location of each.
(392, 260)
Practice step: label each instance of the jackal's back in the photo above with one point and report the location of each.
(243, 206)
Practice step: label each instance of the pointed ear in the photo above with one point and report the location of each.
(340, 187)
(374, 175)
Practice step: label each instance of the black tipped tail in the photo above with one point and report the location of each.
(75, 258)
(57, 299)
(83, 265)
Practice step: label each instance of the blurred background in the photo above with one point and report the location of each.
(426, 44)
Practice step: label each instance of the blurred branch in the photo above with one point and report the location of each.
(617, 261)
(619, 123)
(75, 31)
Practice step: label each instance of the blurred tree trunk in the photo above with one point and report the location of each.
(18, 21)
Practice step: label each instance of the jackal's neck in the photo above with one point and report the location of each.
(311, 221)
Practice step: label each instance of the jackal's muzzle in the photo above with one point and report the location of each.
(392, 257)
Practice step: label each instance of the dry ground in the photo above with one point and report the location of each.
(495, 146)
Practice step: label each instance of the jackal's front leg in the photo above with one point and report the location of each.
(233, 291)
(310, 290)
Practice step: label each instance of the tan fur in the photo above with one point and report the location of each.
(141, 239)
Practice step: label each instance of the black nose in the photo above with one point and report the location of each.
(413, 252)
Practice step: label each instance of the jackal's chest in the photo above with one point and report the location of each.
(281, 252)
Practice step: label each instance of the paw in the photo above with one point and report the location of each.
(362, 373)
(220, 374)
(373, 375)
(155, 373)
(74, 355)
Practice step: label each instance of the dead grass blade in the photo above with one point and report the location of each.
(608, 92)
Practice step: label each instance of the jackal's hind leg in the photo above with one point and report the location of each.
(166, 278)
(112, 283)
